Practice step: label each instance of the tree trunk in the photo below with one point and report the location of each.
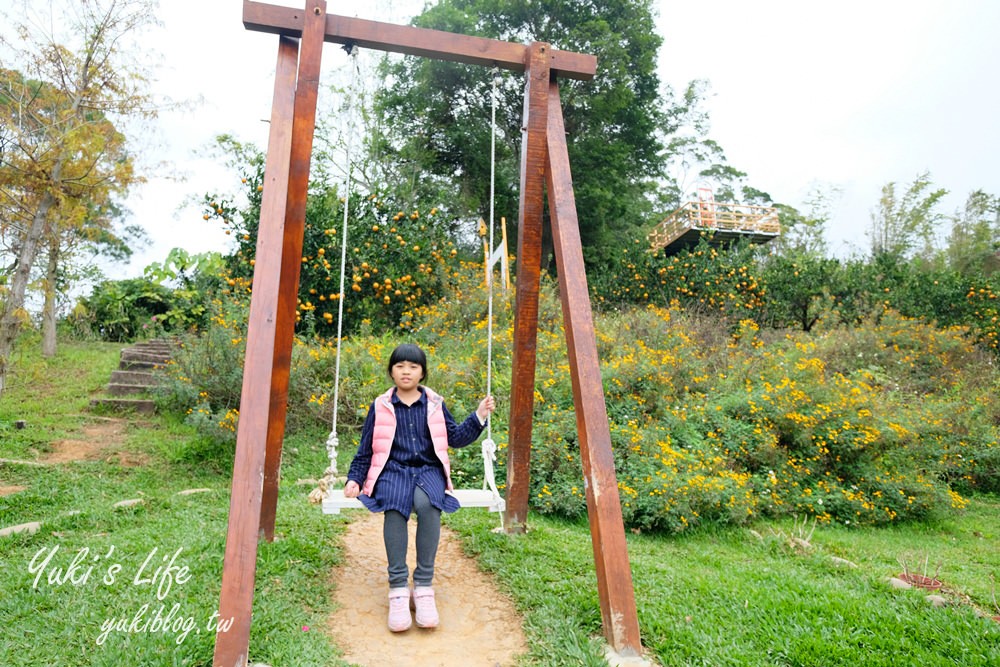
(12, 312)
(49, 307)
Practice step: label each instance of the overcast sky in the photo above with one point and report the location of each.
(850, 94)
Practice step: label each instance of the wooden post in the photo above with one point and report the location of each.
(278, 161)
(529, 262)
(284, 192)
(306, 93)
(607, 531)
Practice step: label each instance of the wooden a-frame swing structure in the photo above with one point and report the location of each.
(545, 170)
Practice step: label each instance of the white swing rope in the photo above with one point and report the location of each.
(332, 441)
(489, 446)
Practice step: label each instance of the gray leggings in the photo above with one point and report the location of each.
(428, 535)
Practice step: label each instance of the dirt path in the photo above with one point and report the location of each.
(97, 441)
(100, 440)
(479, 626)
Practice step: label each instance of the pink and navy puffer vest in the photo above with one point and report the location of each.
(385, 431)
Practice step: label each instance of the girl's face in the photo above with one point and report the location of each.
(407, 374)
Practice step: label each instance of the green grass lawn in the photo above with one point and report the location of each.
(726, 597)
(712, 597)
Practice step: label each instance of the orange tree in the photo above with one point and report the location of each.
(801, 289)
(984, 298)
(862, 289)
(950, 298)
(397, 257)
(704, 279)
(739, 282)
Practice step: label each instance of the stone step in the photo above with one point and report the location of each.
(131, 354)
(143, 406)
(139, 366)
(155, 347)
(134, 376)
(166, 353)
(127, 389)
(140, 378)
(158, 341)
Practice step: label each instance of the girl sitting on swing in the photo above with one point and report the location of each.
(401, 467)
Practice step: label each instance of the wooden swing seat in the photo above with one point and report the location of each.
(336, 501)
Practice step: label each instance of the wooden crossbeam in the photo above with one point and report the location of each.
(412, 41)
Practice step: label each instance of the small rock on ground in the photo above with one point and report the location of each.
(30, 527)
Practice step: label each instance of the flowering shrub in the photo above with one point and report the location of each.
(710, 432)
(363, 376)
(204, 378)
(982, 299)
(711, 421)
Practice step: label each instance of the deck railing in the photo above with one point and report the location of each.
(709, 215)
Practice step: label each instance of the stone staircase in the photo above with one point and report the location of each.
(131, 384)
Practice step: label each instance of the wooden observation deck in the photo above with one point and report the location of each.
(725, 222)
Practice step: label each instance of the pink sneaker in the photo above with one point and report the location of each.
(423, 603)
(399, 611)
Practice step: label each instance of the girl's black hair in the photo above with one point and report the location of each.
(409, 352)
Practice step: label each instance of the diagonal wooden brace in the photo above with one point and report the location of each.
(607, 530)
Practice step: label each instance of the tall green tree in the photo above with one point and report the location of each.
(62, 155)
(437, 114)
(693, 159)
(70, 250)
(906, 224)
(974, 239)
(804, 234)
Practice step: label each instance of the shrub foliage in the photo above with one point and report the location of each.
(713, 420)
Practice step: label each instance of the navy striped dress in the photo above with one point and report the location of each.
(412, 461)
